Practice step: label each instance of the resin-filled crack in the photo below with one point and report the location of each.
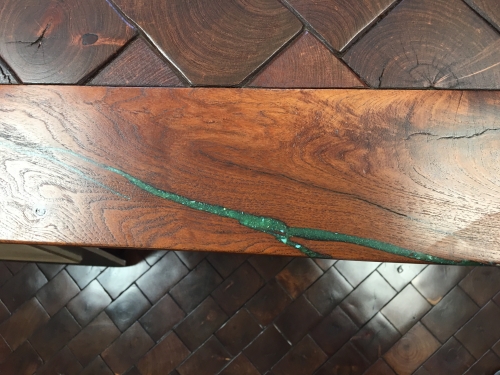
(274, 227)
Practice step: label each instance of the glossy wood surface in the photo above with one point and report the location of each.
(417, 169)
(55, 41)
(215, 42)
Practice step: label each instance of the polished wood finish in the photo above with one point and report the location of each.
(215, 42)
(415, 169)
(340, 21)
(306, 63)
(138, 65)
(489, 9)
(429, 43)
(59, 41)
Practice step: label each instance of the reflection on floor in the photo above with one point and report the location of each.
(196, 313)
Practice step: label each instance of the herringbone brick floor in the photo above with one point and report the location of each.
(196, 313)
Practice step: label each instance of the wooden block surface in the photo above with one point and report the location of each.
(371, 175)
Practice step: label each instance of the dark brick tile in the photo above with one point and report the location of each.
(4, 350)
(191, 258)
(22, 286)
(355, 272)
(303, 358)
(267, 349)
(15, 267)
(162, 317)
(238, 332)
(226, 263)
(50, 338)
(201, 323)
(346, 361)
(83, 275)
(207, 360)
(237, 288)
(298, 275)
(240, 366)
(268, 303)
(164, 357)
(399, 274)
(450, 314)
(375, 338)
(325, 264)
(5, 273)
(406, 309)
(268, 265)
(151, 257)
(127, 308)
(115, 280)
(334, 331)
(488, 364)
(97, 367)
(63, 362)
(481, 284)
(89, 303)
(380, 368)
(482, 331)
(435, 281)
(496, 348)
(94, 338)
(162, 277)
(367, 299)
(23, 323)
(23, 361)
(57, 293)
(50, 270)
(328, 291)
(298, 318)
(451, 358)
(196, 286)
(4, 312)
(412, 350)
(127, 349)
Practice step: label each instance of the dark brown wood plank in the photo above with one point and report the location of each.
(306, 63)
(429, 43)
(138, 65)
(415, 169)
(59, 41)
(215, 42)
(489, 9)
(340, 21)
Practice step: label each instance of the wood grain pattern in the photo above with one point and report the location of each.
(215, 42)
(489, 9)
(138, 65)
(6, 77)
(429, 43)
(416, 169)
(306, 63)
(340, 21)
(57, 41)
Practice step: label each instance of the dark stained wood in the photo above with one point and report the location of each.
(6, 77)
(137, 65)
(59, 41)
(306, 63)
(489, 9)
(340, 21)
(415, 169)
(429, 43)
(215, 42)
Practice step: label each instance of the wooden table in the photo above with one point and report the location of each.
(357, 174)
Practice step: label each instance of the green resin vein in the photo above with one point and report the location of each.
(277, 228)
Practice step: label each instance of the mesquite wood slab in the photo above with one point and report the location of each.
(356, 174)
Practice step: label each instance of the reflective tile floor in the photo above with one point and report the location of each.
(196, 313)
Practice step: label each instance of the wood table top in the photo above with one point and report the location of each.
(359, 174)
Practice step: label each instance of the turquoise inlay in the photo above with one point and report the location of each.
(268, 225)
